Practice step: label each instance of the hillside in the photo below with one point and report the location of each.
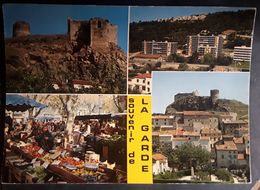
(201, 103)
(35, 63)
(235, 106)
(178, 29)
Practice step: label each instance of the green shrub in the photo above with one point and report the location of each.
(224, 175)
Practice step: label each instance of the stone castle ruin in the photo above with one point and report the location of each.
(193, 102)
(97, 33)
(21, 28)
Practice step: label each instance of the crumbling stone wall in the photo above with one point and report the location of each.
(102, 33)
(97, 33)
(193, 102)
(21, 28)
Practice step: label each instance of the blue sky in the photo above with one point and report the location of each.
(52, 19)
(166, 84)
(152, 13)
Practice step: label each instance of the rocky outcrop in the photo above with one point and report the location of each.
(204, 103)
(35, 63)
(190, 103)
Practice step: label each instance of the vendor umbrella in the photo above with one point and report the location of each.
(21, 103)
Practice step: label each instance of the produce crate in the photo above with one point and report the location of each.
(17, 174)
(30, 178)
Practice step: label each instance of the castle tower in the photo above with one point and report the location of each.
(21, 28)
(214, 95)
(102, 33)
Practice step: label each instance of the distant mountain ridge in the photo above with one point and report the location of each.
(184, 18)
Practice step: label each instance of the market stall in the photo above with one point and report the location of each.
(38, 154)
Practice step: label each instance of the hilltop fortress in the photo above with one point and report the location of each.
(97, 33)
(193, 102)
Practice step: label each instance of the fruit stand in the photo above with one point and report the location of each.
(59, 165)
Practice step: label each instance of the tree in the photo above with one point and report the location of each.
(224, 175)
(209, 59)
(188, 155)
(224, 60)
(176, 58)
(183, 67)
(194, 59)
(34, 112)
(120, 103)
(158, 64)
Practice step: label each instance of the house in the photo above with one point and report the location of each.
(81, 84)
(160, 164)
(213, 134)
(141, 83)
(234, 128)
(226, 154)
(162, 120)
(205, 118)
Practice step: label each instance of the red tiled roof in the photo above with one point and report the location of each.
(143, 76)
(196, 113)
(238, 140)
(158, 156)
(161, 117)
(82, 82)
(208, 130)
(228, 145)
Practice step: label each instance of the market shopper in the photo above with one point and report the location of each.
(46, 140)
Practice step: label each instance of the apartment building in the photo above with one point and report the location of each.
(161, 48)
(242, 53)
(205, 44)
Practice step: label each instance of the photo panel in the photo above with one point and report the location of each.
(65, 139)
(66, 48)
(201, 127)
(216, 39)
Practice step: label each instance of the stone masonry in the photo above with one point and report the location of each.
(97, 33)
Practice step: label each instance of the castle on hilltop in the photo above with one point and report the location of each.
(97, 33)
(193, 102)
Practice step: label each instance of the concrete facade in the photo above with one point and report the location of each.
(162, 48)
(205, 44)
(162, 120)
(242, 53)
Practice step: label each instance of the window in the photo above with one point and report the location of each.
(148, 89)
(148, 82)
(99, 24)
(137, 80)
(143, 87)
(222, 156)
(144, 81)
